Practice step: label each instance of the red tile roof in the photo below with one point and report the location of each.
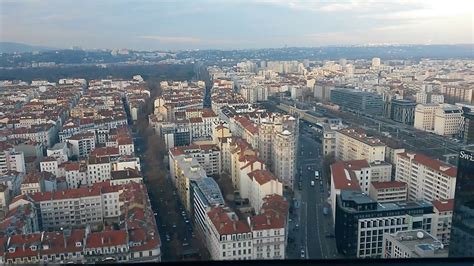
(71, 166)
(224, 224)
(360, 135)
(342, 177)
(107, 239)
(66, 194)
(206, 112)
(444, 206)
(275, 203)
(105, 151)
(388, 184)
(195, 120)
(262, 176)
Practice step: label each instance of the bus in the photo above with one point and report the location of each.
(316, 175)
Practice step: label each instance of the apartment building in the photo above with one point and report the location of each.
(341, 179)
(442, 220)
(427, 179)
(413, 244)
(13, 181)
(136, 240)
(82, 144)
(388, 191)
(60, 151)
(241, 153)
(50, 164)
(208, 156)
(12, 160)
(98, 169)
(364, 172)
(260, 184)
(284, 157)
(354, 144)
(262, 236)
(76, 174)
(270, 229)
(185, 170)
(229, 238)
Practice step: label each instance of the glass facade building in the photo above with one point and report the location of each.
(462, 232)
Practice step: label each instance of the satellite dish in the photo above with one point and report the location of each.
(420, 235)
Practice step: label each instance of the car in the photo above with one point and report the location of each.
(325, 211)
(174, 225)
(193, 235)
(321, 188)
(303, 254)
(187, 221)
(312, 183)
(297, 226)
(108, 259)
(156, 214)
(185, 244)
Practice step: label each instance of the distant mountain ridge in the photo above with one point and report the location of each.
(15, 47)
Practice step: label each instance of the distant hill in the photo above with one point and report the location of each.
(14, 47)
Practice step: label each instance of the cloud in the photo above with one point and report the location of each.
(172, 39)
(189, 40)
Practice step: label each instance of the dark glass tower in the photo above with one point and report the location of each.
(462, 232)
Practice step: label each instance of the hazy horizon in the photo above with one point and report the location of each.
(238, 24)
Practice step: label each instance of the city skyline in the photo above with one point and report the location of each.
(165, 25)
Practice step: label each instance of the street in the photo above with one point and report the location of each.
(182, 229)
(313, 227)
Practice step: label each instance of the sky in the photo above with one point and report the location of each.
(234, 24)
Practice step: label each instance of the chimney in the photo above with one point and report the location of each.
(234, 225)
(268, 220)
(102, 240)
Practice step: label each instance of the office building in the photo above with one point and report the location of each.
(361, 222)
(403, 111)
(359, 101)
(413, 244)
(425, 116)
(447, 121)
(205, 195)
(458, 94)
(462, 233)
(468, 128)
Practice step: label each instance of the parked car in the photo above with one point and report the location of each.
(325, 210)
(303, 254)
